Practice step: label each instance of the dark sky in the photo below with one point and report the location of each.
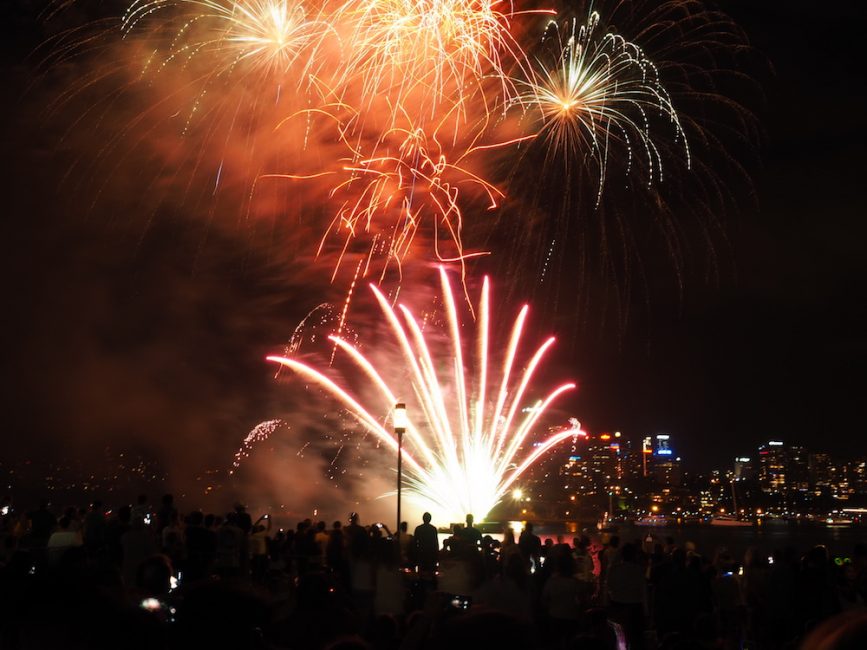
(148, 329)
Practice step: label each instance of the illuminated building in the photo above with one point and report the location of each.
(819, 468)
(859, 475)
(772, 467)
(666, 468)
(744, 469)
(631, 463)
(596, 467)
(841, 484)
(797, 469)
(646, 455)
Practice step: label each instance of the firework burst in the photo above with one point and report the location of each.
(601, 91)
(268, 36)
(413, 182)
(409, 120)
(470, 429)
(431, 52)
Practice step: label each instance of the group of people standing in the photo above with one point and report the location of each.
(315, 584)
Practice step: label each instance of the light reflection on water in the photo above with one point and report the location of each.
(707, 539)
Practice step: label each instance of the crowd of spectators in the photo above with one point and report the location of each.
(143, 576)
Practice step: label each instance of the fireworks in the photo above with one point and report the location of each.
(436, 49)
(260, 433)
(272, 36)
(601, 91)
(417, 184)
(400, 119)
(470, 429)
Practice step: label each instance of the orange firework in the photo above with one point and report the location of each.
(390, 110)
(267, 36)
(414, 182)
(431, 52)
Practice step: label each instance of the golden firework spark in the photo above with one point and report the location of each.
(601, 91)
(431, 52)
(269, 36)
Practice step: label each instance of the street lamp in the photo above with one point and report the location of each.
(399, 421)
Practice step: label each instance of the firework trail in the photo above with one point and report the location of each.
(432, 54)
(419, 187)
(627, 173)
(376, 106)
(260, 433)
(317, 323)
(601, 91)
(470, 428)
(382, 133)
(261, 37)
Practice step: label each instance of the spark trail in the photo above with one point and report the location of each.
(470, 428)
(600, 96)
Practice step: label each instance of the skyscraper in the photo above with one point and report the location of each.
(772, 467)
(666, 464)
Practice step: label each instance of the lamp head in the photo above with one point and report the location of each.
(399, 418)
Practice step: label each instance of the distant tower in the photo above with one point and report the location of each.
(744, 469)
(646, 453)
(819, 468)
(772, 467)
(666, 465)
(797, 469)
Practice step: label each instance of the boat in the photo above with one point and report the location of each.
(652, 520)
(729, 520)
(773, 520)
(837, 522)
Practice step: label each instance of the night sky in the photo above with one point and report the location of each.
(141, 327)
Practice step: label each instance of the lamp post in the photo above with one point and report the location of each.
(399, 428)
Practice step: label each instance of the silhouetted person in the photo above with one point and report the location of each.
(138, 544)
(676, 596)
(627, 593)
(335, 555)
(61, 540)
(42, 523)
(426, 545)
(166, 512)
(561, 598)
(404, 543)
(530, 545)
(153, 578)
(471, 535)
(141, 511)
(94, 528)
(231, 547)
(607, 555)
(258, 541)
(357, 539)
(243, 520)
(321, 539)
(172, 541)
(114, 531)
(201, 545)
